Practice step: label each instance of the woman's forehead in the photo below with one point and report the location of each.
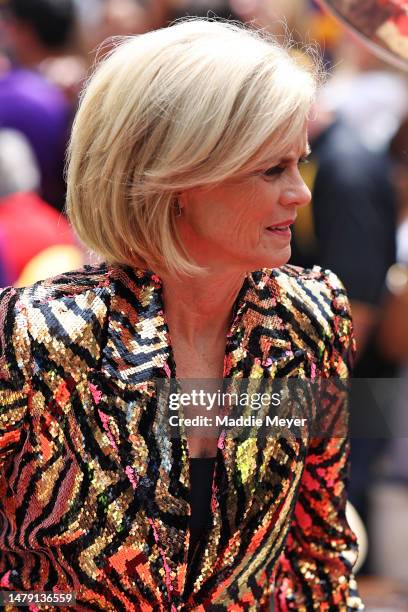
(297, 149)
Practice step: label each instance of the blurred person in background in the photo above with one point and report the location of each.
(36, 241)
(390, 495)
(102, 19)
(33, 32)
(367, 93)
(276, 16)
(399, 157)
(350, 229)
(353, 222)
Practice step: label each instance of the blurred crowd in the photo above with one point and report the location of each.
(357, 224)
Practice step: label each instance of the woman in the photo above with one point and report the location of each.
(183, 174)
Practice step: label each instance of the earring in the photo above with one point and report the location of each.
(178, 209)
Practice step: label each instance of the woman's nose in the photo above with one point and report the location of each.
(296, 192)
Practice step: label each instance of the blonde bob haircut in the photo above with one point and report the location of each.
(190, 105)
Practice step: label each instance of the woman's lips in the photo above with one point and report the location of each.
(280, 230)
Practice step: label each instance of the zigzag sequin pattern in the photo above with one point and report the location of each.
(95, 498)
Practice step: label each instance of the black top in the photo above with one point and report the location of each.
(201, 473)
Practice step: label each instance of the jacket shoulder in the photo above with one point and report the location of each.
(313, 298)
(66, 285)
(14, 343)
(63, 315)
(317, 288)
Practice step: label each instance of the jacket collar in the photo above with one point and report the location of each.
(138, 345)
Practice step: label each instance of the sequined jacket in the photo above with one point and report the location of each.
(92, 501)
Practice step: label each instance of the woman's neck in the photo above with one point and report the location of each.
(201, 307)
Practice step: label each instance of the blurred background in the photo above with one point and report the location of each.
(357, 224)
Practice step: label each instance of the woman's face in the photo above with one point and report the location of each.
(244, 224)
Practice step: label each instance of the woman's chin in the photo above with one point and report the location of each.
(274, 260)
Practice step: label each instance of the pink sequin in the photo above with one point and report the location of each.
(131, 475)
(221, 440)
(105, 422)
(5, 580)
(96, 393)
(313, 371)
(165, 564)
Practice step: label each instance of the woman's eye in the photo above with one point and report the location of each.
(274, 171)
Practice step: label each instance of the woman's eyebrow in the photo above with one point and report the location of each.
(286, 160)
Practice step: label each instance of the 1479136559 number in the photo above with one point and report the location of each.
(23, 598)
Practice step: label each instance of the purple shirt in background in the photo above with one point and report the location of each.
(5, 279)
(37, 108)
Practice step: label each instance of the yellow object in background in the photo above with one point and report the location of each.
(50, 262)
(304, 225)
(325, 29)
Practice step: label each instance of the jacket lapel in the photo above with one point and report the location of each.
(259, 346)
(260, 343)
(130, 424)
